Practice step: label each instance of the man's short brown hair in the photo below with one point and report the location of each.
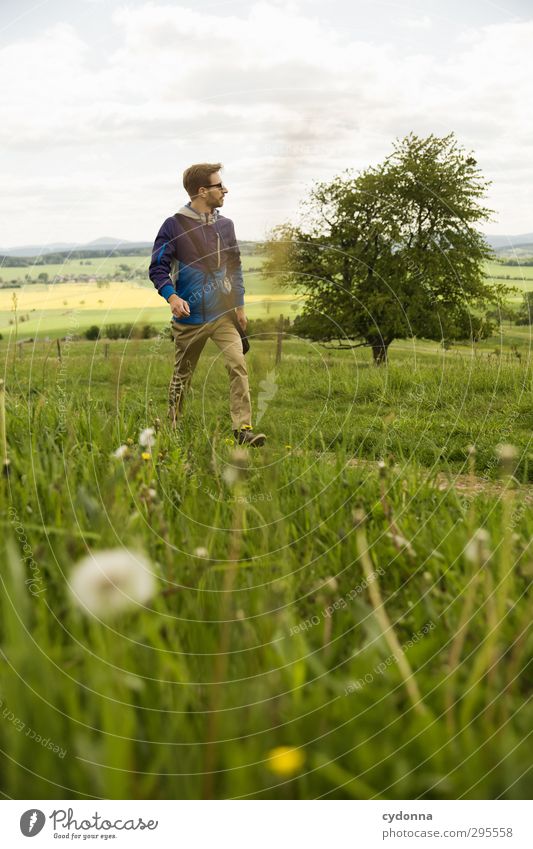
(198, 176)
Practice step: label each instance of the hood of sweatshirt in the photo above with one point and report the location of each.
(200, 217)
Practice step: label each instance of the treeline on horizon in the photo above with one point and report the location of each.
(58, 257)
(246, 248)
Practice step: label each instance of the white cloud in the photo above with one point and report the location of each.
(280, 96)
(423, 22)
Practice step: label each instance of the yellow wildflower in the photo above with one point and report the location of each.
(146, 455)
(285, 761)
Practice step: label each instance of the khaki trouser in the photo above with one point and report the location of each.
(190, 340)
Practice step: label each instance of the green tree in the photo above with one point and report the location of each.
(92, 332)
(393, 252)
(148, 331)
(525, 313)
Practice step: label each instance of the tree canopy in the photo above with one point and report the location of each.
(393, 251)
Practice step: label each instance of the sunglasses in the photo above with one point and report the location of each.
(217, 186)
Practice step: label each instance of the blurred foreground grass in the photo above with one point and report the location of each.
(264, 630)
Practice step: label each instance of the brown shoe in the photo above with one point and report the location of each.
(246, 436)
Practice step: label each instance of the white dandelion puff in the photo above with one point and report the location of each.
(477, 549)
(201, 551)
(237, 470)
(506, 452)
(147, 437)
(110, 581)
(230, 475)
(121, 452)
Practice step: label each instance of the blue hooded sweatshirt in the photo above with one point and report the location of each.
(204, 269)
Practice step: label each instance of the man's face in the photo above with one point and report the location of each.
(214, 197)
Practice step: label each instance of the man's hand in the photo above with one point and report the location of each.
(179, 307)
(241, 318)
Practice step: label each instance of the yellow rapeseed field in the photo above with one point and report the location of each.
(118, 296)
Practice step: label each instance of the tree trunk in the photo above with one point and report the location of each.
(379, 351)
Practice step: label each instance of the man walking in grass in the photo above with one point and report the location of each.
(196, 267)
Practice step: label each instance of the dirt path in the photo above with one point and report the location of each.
(463, 483)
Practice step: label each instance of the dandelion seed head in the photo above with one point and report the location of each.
(122, 451)
(236, 471)
(506, 452)
(477, 549)
(147, 437)
(110, 581)
(507, 456)
(230, 475)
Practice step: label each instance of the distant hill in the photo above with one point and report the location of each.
(512, 247)
(106, 246)
(102, 245)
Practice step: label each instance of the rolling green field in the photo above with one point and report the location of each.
(318, 625)
(520, 277)
(522, 273)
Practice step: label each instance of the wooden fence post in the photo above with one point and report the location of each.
(58, 343)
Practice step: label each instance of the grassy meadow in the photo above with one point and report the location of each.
(322, 624)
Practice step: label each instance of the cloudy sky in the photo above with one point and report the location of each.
(103, 103)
